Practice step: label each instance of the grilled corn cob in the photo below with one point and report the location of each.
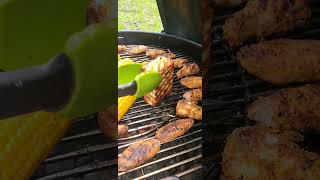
(26, 140)
(124, 104)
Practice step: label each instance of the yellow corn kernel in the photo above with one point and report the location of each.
(124, 104)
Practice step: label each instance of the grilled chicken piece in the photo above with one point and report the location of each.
(193, 95)
(228, 3)
(153, 53)
(97, 12)
(138, 50)
(169, 55)
(282, 61)
(173, 130)
(122, 130)
(261, 18)
(137, 154)
(107, 120)
(189, 109)
(291, 109)
(165, 67)
(192, 82)
(264, 153)
(122, 48)
(179, 62)
(188, 70)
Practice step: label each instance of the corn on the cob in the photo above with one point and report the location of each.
(124, 104)
(26, 140)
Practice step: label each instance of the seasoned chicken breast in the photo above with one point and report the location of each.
(188, 70)
(188, 109)
(192, 82)
(153, 53)
(291, 109)
(282, 61)
(261, 18)
(179, 62)
(138, 50)
(173, 130)
(137, 154)
(255, 152)
(122, 130)
(193, 95)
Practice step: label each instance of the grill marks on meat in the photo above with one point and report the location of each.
(179, 62)
(165, 67)
(137, 154)
(138, 50)
(192, 82)
(193, 95)
(188, 109)
(188, 70)
(282, 61)
(173, 130)
(261, 18)
(258, 152)
(153, 53)
(291, 109)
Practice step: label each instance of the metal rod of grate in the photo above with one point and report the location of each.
(231, 89)
(179, 157)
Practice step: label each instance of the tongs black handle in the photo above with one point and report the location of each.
(43, 87)
(127, 89)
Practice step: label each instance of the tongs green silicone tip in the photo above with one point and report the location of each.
(134, 82)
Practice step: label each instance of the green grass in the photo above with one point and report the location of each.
(139, 15)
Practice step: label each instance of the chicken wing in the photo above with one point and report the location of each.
(261, 18)
(137, 154)
(173, 130)
(291, 109)
(264, 153)
(179, 62)
(188, 109)
(282, 61)
(193, 95)
(169, 55)
(192, 82)
(153, 53)
(138, 50)
(188, 70)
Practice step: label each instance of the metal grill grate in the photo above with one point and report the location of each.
(231, 89)
(181, 157)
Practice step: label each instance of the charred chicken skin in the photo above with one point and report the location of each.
(263, 153)
(173, 130)
(261, 18)
(188, 70)
(188, 109)
(291, 109)
(179, 62)
(153, 53)
(192, 82)
(193, 95)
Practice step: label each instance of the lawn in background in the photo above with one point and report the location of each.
(139, 15)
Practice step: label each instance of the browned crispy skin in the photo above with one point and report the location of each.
(282, 61)
(169, 55)
(188, 70)
(188, 109)
(179, 62)
(228, 3)
(291, 109)
(122, 48)
(122, 130)
(192, 82)
(263, 153)
(138, 50)
(261, 18)
(153, 53)
(193, 95)
(137, 154)
(173, 130)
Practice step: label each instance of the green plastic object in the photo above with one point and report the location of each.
(33, 31)
(147, 82)
(93, 53)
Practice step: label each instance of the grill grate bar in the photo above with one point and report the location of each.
(170, 167)
(189, 171)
